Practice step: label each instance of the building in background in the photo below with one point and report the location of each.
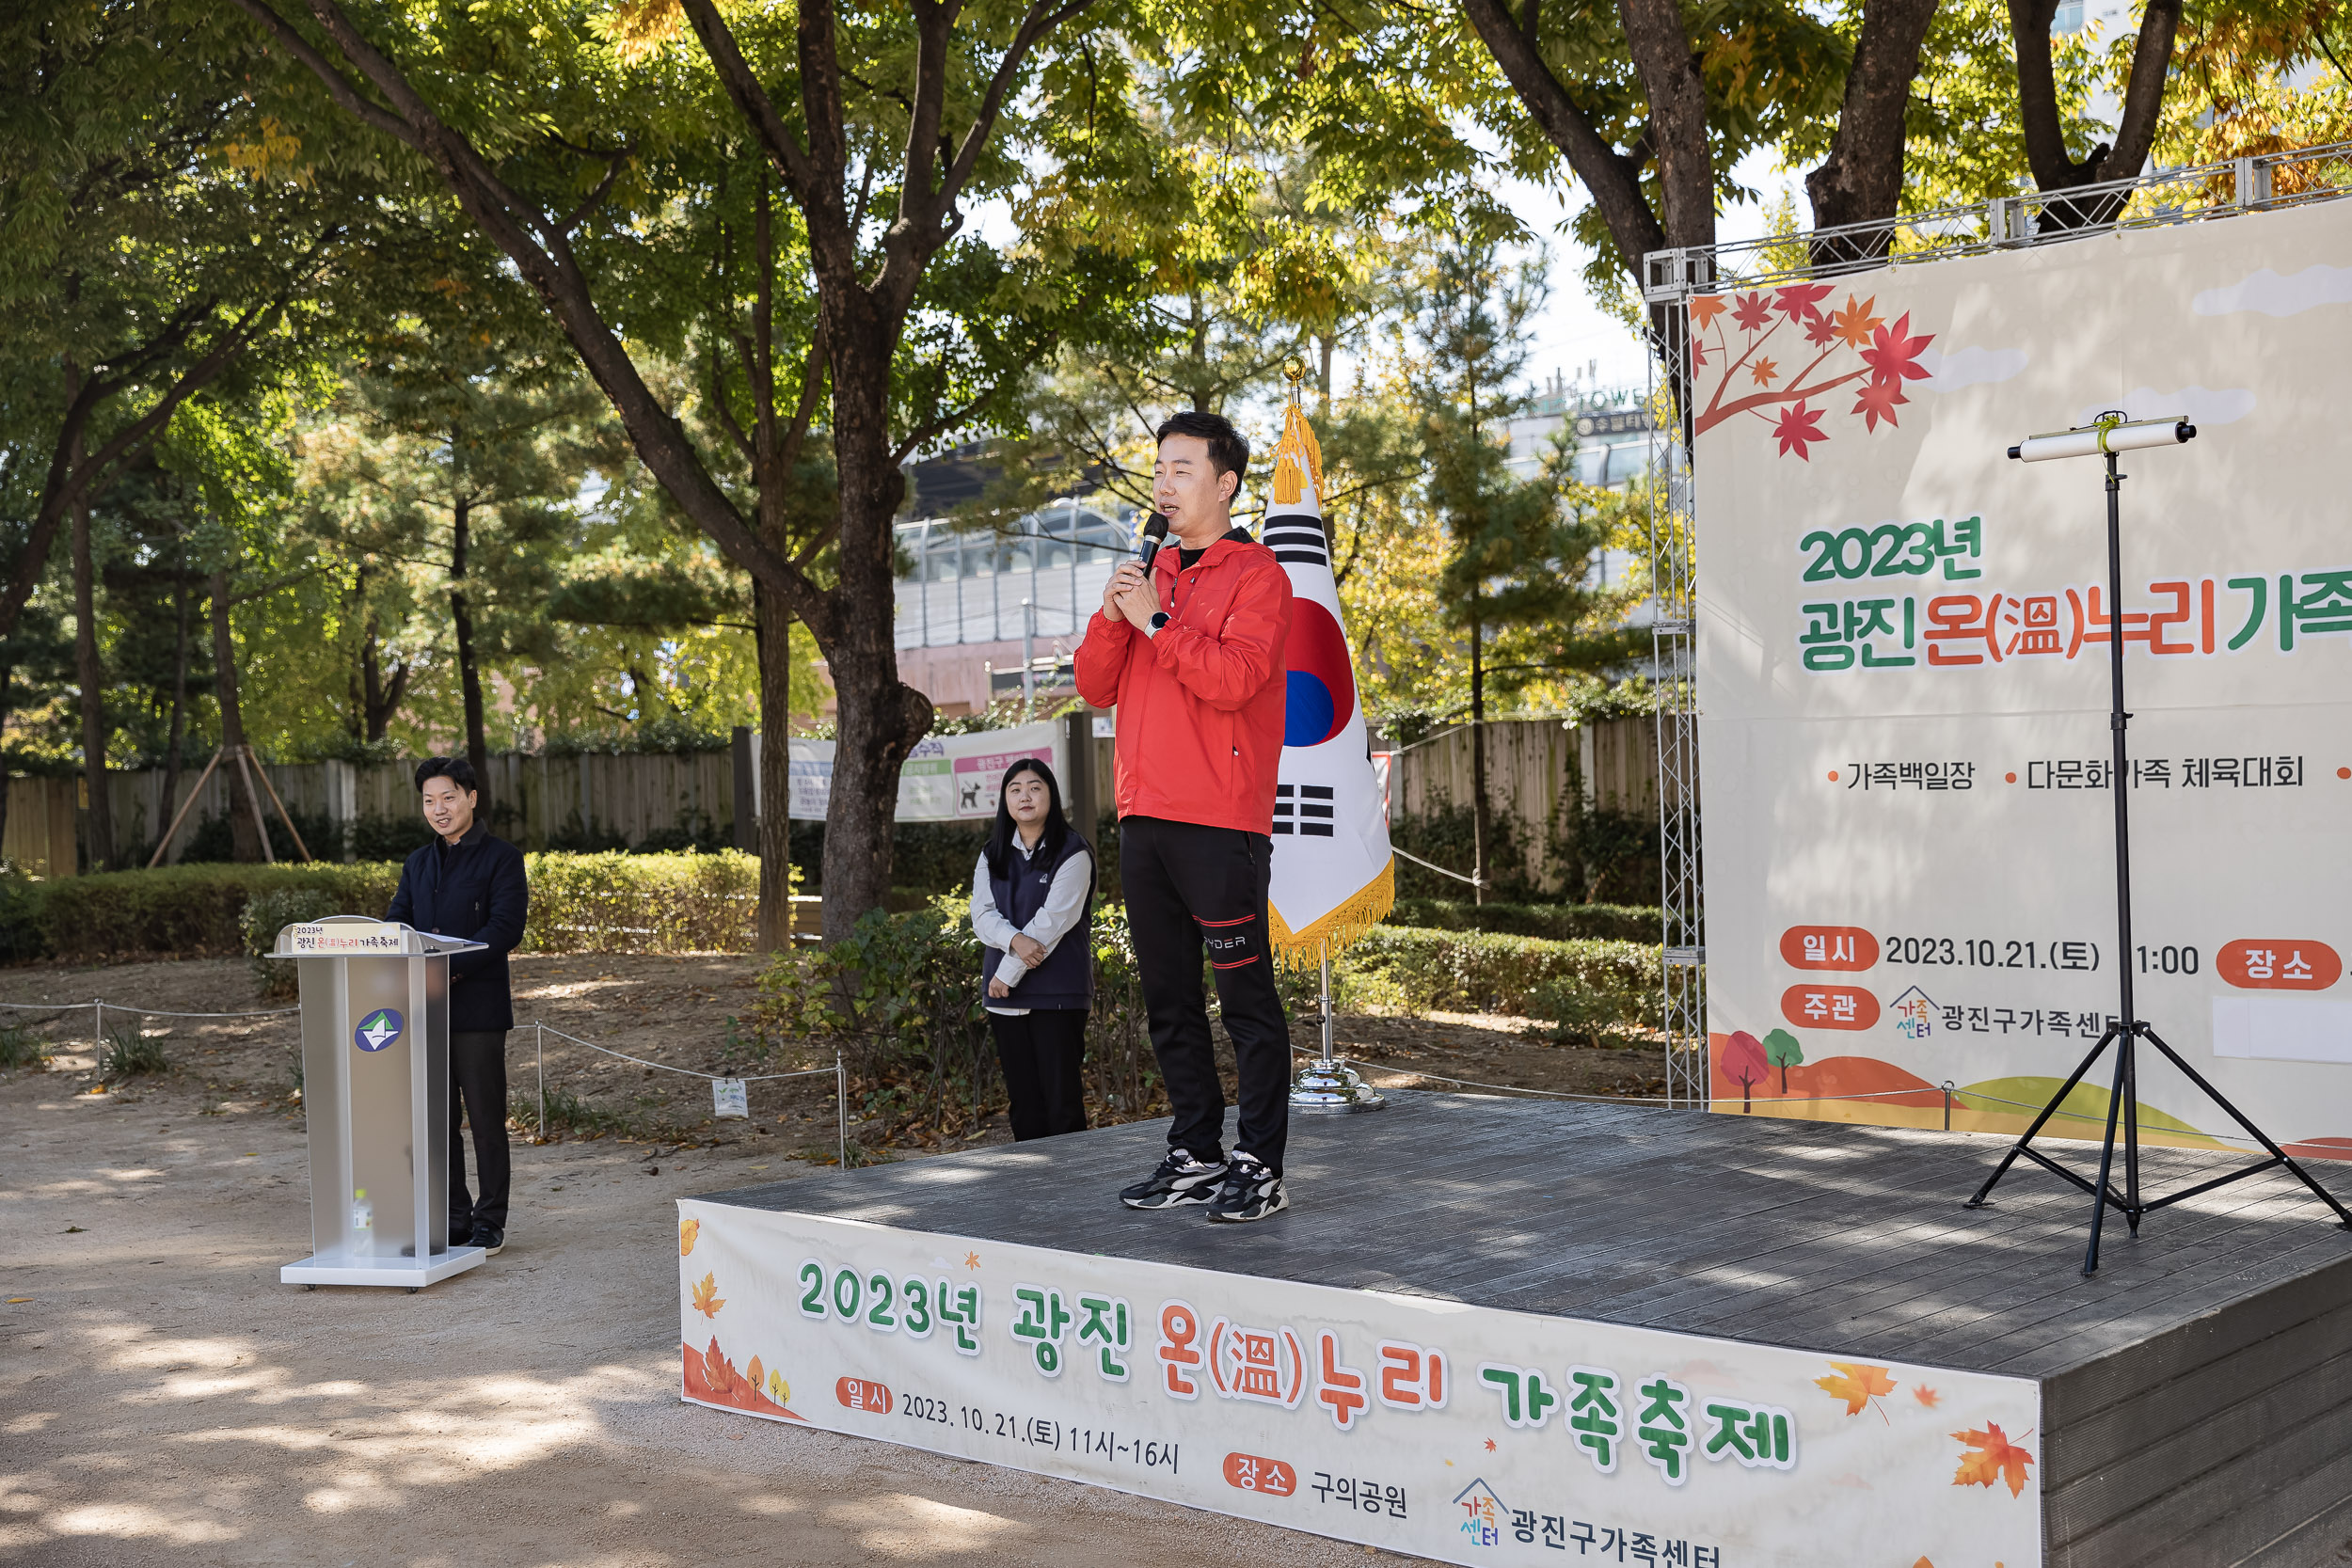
(979, 610)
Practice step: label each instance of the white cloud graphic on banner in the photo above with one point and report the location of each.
(1968, 367)
(2203, 405)
(2272, 295)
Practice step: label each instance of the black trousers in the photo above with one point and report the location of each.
(1193, 889)
(477, 1070)
(1041, 1053)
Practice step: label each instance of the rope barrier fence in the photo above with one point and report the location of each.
(839, 1070)
(841, 1083)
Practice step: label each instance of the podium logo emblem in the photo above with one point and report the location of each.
(377, 1030)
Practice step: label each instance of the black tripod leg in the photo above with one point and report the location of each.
(2131, 1133)
(2253, 1132)
(2047, 1112)
(2107, 1150)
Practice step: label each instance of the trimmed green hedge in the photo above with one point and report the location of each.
(1579, 983)
(192, 910)
(1555, 921)
(613, 902)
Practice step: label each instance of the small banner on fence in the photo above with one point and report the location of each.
(950, 778)
(728, 1098)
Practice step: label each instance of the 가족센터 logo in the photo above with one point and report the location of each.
(377, 1030)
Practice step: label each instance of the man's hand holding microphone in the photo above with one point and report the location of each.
(1129, 596)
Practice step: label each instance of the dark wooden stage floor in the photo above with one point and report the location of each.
(2197, 1394)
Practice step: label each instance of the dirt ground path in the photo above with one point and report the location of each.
(164, 1399)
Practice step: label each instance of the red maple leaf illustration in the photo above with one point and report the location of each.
(1797, 300)
(1798, 427)
(1765, 371)
(1698, 353)
(1819, 330)
(1894, 352)
(1753, 312)
(1877, 401)
(1705, 309)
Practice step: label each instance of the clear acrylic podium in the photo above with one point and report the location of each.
(376, 1087)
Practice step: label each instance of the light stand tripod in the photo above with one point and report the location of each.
(2109, 435)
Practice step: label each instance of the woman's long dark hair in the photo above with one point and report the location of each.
(1056, 825)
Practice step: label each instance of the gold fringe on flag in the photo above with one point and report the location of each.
(1298, 450)
(1360, 913)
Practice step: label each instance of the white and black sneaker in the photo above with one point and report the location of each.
(1179, 1179)
(1251, 1191)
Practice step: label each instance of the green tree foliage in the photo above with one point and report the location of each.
(1783, 1052)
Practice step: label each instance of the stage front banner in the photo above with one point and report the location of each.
(1464, 1434)
(1903, 683)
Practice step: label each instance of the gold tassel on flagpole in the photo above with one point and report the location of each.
(1339, 927)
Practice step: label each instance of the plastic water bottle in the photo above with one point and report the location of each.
(362, 1223)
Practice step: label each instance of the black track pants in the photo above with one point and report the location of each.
(1192, 887)
(1042, 1052)
(477, 1070)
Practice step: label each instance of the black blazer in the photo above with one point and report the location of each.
(482, 896)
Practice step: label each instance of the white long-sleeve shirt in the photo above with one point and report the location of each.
(1064, 902)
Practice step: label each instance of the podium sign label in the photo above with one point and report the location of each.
(346, 937)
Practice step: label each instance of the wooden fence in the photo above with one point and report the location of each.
(1534, 765)
(537, 801)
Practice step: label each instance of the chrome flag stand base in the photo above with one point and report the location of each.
(1328, 1082)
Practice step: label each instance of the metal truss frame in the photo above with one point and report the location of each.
(2200, 193)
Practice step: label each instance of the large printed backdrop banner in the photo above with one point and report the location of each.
(1903, 678)
(1465, 1433)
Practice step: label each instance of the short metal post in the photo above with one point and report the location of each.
(98, 1028)
(1947, 1104)
(841, 1103)
(1327, 1024)
(541, 1029)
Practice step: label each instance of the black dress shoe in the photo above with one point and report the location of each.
(461, 1231)
(489, 1237)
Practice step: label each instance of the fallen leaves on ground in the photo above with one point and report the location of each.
(1993, 1457)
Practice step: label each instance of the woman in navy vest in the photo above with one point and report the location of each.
(1033, 910)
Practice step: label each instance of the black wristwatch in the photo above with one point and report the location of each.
(1159, 619)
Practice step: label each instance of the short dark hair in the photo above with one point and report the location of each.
(457, 770)
(1229, 452)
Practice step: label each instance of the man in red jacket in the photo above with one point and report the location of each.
(1192, 658)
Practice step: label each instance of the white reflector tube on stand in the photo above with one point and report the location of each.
(2092, 440)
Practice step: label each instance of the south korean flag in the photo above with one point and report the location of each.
(1334, 877)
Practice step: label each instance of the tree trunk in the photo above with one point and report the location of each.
(1481, 824)
(881, 717)
(245, 834)
(7, 676)
(1862, 179)
(175, 749)
(774, 638)
(469, 675)
(88, 675)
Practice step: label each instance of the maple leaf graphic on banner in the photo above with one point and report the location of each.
(1796, 427)
(706, 1298)
(1877, 400)
(1740, 364)
(1927, 1396)
(687, 1232)
(1991, 1457)
(1856, 1384)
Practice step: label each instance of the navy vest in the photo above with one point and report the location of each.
(1066, 978)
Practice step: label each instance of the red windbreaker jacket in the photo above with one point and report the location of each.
(1200, 703)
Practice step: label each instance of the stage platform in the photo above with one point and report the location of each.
(1499, 1331)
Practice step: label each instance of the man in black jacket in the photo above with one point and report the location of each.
(468, 884)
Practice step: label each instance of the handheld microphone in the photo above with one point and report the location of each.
(1155, 535)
